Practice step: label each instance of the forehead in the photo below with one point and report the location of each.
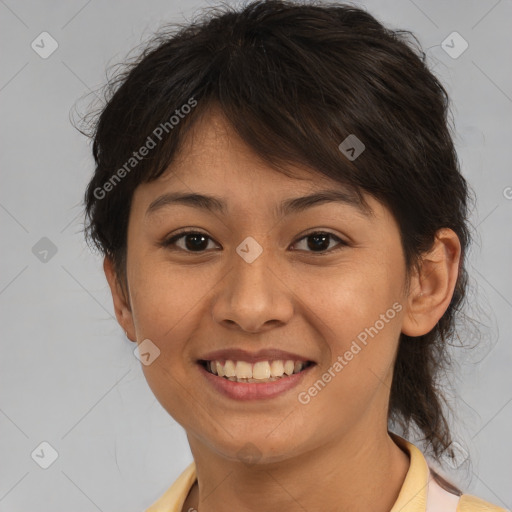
(212, 149)
(212, 145)
(215, 170)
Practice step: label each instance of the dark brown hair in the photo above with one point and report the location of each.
(295, 80)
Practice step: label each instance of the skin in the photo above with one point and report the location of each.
(335, 452)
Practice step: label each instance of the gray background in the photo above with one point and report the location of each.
(67, 374)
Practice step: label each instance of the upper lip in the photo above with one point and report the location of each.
(237, 354)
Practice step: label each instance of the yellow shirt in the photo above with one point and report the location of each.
(417, 486)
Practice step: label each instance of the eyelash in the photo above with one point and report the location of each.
(171, 241)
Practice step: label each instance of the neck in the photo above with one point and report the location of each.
(349, 475)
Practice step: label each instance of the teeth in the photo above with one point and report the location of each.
(262, 371)
(289, 366)
(276, 368)
(229, 368)
(220, 370)
(243, 370)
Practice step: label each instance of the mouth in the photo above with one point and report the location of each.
(258, 372)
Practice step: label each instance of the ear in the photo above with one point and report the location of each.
(122, 305)
(432, 287)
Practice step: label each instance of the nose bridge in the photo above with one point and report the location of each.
(252, 263)
(251, 295)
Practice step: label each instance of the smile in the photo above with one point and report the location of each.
(259, 372)
(264, 379)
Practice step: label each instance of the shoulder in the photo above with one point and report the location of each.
(468, 503)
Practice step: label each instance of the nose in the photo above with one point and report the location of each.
(254, 297)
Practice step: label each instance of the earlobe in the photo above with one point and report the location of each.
(122, 307)
(432, 287)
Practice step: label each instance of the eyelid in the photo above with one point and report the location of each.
(341, 242)
(169, 241)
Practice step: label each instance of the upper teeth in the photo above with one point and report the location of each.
(260, 370)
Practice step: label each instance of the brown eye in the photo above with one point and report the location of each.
(319, 242)
(196, 242)
(193, 241)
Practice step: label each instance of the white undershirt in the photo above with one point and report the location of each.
(438, 499)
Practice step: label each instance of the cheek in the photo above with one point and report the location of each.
(163, 299)
(346, 300)
(165, 309)
(357, 311)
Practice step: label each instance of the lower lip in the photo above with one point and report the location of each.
(253, 390)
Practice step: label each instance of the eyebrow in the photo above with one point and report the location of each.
(216, 204)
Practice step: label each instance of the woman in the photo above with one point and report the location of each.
(283, 220)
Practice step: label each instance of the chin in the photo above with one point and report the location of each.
(258, 448)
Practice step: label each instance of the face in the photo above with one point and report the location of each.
(322, 284)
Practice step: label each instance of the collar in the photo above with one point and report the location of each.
(413, 494)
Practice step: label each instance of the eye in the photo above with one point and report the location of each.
(195, 241)
(318, 242)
